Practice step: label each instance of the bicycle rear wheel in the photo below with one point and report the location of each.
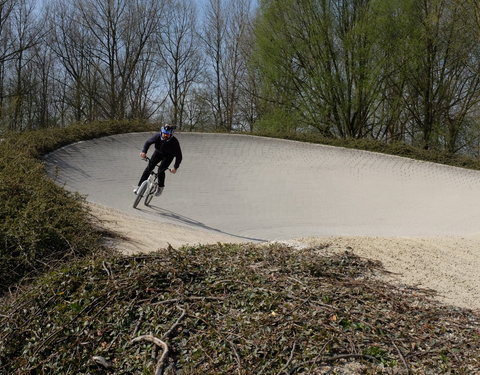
(140, 193)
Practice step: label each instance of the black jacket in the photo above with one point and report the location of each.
(168, 147)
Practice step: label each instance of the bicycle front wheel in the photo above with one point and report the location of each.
(149, 194)
(140, 193)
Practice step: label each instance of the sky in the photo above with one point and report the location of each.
(202, 4)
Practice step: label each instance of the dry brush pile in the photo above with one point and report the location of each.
(232, 309)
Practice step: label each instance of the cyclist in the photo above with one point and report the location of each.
(167, 147)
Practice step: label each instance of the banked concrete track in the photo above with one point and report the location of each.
(263, 189)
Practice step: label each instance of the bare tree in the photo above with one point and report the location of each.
(24, 35)
(214, 38)
(7, 50)
(73, 46)
(249, 87)
(144, 83)
(42, 69)
(8, 47)
(226, 23)
(179, 49)
(119, 31)
(198, 114)
(235, 68)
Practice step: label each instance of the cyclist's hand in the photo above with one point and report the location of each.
(173, 170)
(143, 155)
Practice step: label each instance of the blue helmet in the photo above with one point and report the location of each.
(167, 129)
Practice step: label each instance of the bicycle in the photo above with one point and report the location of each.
(147, 188)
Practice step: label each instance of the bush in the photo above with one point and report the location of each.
(41, 223)
(395, 148)
(228, 309)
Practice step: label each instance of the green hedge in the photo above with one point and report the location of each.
(41, 223)
(395, 148)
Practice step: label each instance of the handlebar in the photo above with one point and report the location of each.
(146, 158)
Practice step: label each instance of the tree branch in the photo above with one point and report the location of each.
(160, 343)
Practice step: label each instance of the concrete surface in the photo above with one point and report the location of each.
(257, 188)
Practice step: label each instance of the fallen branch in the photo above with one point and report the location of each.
(237, 356)
(401, 356)
(183, 299)
(319, 359)
(347, 356)
(107, 270)
(160, 343)
(102, 362)
(176, 324)
(139, 323)
(289, 359)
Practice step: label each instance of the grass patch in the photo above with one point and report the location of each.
(230, 309)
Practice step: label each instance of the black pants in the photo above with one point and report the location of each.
(156, 158)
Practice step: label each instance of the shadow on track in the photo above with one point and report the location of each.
(173, 216)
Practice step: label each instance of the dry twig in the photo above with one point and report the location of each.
(102, 362)
(161, 362)
(176, 324)
(107, 270)
(289, 359)
(193, 298)
(401, 356)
